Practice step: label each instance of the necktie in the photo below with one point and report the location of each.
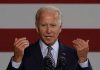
(49, 55)
(49, 63)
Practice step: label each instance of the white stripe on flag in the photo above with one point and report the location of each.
(5, 58)
(74, 15)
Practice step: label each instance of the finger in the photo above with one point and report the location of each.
(74, 46)
(80, 42)
(16, 39)
(76, 42)
(24, 46)
(77, 46)
(21, 39)
(83, 41)
(22, 42)
(87, 41)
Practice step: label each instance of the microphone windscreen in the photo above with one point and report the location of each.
(48, 64)
(62, 59)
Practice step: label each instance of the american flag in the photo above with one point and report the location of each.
(81, 19)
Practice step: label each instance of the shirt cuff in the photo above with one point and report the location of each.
(16, 64)
(84, 64)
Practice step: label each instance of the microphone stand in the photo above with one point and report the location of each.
(62, 61)
(48, 64)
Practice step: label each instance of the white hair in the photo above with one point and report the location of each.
(48, 8)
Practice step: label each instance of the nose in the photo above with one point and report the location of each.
(48, 29)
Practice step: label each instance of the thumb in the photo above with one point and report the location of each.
(16, 39)
(87, 41)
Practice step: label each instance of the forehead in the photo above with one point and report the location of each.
(48, 13)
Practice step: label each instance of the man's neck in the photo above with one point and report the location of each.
(51, 43)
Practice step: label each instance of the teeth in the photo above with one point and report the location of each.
(48, 36)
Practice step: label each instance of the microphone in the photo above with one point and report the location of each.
(48, 64)
(62, 61)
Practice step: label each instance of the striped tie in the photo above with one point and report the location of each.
(49, 55)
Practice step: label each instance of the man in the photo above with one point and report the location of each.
(38, 57)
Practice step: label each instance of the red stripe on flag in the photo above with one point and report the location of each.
(7, 37)
(50, 1)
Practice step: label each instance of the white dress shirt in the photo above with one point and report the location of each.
(54, 52)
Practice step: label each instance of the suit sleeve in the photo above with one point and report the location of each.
(21, 67)
(82, 68)
(86, 68)
(10, 67)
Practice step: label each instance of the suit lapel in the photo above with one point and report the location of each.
(61, 50)
(70, 58)
(63, 53)
(38, 56)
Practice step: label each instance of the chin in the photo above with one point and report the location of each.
(49, 42)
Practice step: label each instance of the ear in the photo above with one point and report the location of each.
(60, 27)
(36, 26)
(37, 29)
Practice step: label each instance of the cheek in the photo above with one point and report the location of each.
(42, 32)
(57, 31)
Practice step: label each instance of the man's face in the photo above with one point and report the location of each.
(49, 27)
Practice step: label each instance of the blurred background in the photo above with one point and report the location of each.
(80, 20)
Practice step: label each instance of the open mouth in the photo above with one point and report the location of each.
(48, 36)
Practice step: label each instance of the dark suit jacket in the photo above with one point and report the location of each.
(33, 59)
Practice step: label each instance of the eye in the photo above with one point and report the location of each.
(53, 25)
(43, 25)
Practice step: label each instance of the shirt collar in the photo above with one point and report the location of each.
(43, 46)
